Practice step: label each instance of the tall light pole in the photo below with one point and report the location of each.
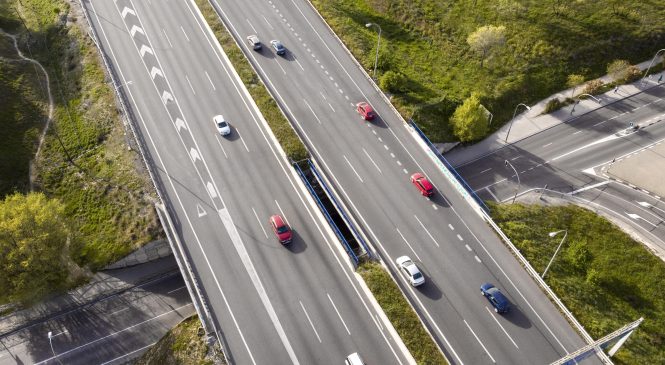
(591, 96)
(518, 179)
(651, 64)
(123, 84)
(50, 341)
(378, 44)
(512, 120)
(552, 234)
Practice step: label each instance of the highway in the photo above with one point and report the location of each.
(317, 84)
(110, 331)
(271, 304)
(572, 158)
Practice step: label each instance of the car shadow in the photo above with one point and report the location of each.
(378, 122)
(298, 244)
(439, 199)
(517, 317)
(429, 288)
(233, 136)
(265, 52)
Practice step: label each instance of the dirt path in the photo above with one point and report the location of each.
(48, 89)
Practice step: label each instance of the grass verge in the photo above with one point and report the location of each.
(545, 41)
(605, 278)
(401, 314)
(184, 344)
(84, 161)
(280, 126)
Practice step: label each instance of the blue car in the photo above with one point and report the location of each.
(495, 297)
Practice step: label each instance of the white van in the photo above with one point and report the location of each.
(354, 359)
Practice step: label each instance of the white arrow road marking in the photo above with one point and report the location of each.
(649, 205)
(126, 11)
(166, 97)
(155, 71)
(211, 190)
(602, 140)
(200, 211)
(136, 29)
(180, 124)
(194, 154)
(589, 187)
(145, 49)
(638, 217)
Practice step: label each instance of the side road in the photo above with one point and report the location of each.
(534, 121)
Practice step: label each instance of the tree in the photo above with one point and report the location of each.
(618, 70)
(485, 39)
(469, 120)
(33, 246)
(573, 82)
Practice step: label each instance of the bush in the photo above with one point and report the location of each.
(633, 73)
(394, 82)
(593, 87)
(617, 69)
(552, 105)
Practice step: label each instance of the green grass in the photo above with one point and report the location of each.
(279, 125)
(184, 344)
(401, 314)
(84, 160)
(545, 42)
(602, 275)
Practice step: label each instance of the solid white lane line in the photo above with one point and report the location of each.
(352, 168)
(176, 289)
(370, 158)
(600, 123)
(241, 139)
(484, 171)
(548, 144)
(312, 110)
(429, 234)
(222, 147)
(251, 26)
(503, 329)
(209, 79)
(408, 244)
(492, 184)
(496, 198)
(302, 68)
(331, 107)
(167, 37)
(267, 22)
(310, 321)
(280, 66)
(515, 158)
(183, 32)
(281, 211)
(190, 85)
(259, 222)
(60, 333)
(378, 320)
(111, 335)
(478, 339)
(339, 315)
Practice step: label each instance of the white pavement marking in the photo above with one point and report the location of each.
(370, 158)
(267, 22)
(352, 168)
(408, 244)
(435, 207)
(637, 217)
(429, 234)
(515, 158)
(280, 66)
(339, 315)
(480, 342)
(310, 321)
(399, 163)
(183, 32)
(468, 248)
(484, 171)
(547, 144)
(503, 329)
(251, 26)
(119, 310)
(578, 132)
(477, 258)
(302, 68)
(259, 221)
(460, 238)
(451, 227)
(222, 147)
(242, 139)
(331, 107)
(405, 171)
(60, 333)
(496, 198)
(209, 79)
(312, 110)
(111, 335)
(167, 37)
(599, 123)
(190, 85)
(176, 289)
(282, 212)
(589, 187)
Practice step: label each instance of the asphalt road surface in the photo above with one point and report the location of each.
(110, 331)
(317, 84)
(271, 304)
(573, 158)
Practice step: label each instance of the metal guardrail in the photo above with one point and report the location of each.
(449, 166)
(339, 234)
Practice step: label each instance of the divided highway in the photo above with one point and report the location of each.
(271, 304)
(317, 83)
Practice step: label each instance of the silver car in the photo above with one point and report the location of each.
(254, 42)
(222, 125)
(410, 270)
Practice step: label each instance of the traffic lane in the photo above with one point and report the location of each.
(198, 253)
(107, 329)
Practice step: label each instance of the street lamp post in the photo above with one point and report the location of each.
(513, 119)
(592, 97)
(651, 64)
(506, 163)
(123, 84)
(378, 44)
(50, 341)
(552, 234)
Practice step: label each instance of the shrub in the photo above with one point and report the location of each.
(618, 69)
(470, 120)
(552, 105)
(633, 73)
(593, 87)
(394, 82)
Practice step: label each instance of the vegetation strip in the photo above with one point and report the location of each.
(401, 314)
(603, 276)
(279, 125)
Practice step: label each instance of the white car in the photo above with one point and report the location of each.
(222, 125)
(410, 270)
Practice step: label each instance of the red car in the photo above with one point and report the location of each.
(423, 185)
(281, 229)
(365, 110)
